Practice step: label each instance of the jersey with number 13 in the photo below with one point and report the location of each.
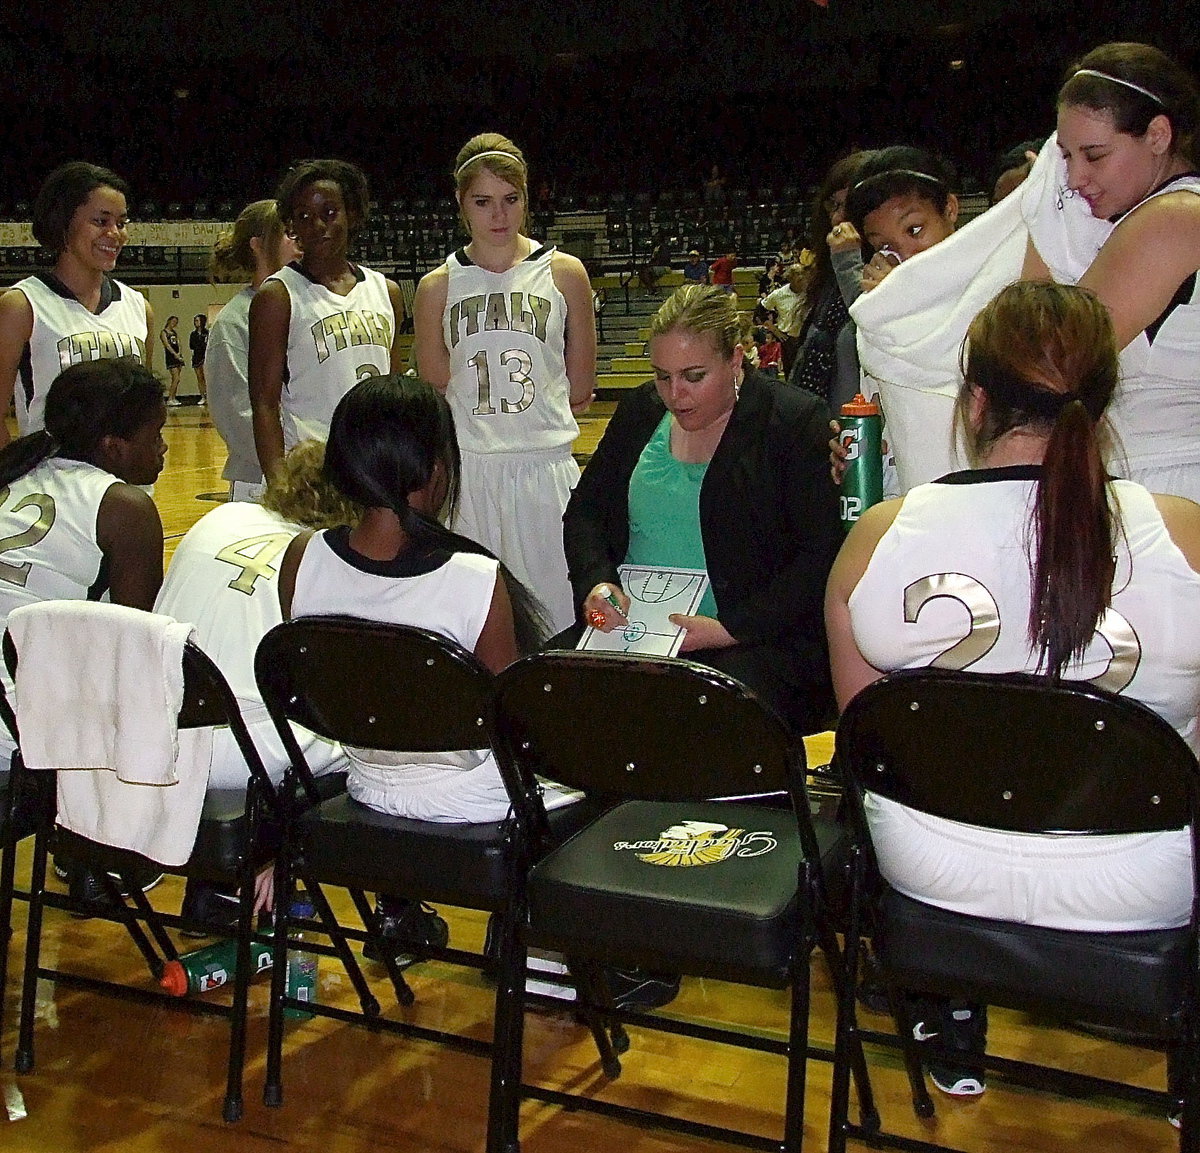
(506, 334)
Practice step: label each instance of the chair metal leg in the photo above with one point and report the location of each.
(8, 869)
(241, 996)
(23, 1062)
(594, 999)
(504, 1100)
(273, 1084)
(331, 928)
(922, 1102)
(797, 1059)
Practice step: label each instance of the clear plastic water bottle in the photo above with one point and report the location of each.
(862, 438)
(203, 970)
(302, 974)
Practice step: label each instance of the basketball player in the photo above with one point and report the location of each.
(507, 330)
(318, 326)
(76, 311)
(256, 247)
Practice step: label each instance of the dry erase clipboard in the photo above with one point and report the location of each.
(654, 595)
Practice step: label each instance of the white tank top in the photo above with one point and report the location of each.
(1156, 409)
(948, 586)
(448, 594)
(66, 333)
(506, 333)
(224, 579)
(333, 342)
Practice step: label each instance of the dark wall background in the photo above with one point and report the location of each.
(214, 100)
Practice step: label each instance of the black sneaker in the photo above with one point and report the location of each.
(408, 927)
(641, 989)
(86, 887)
(961, 1027)
(209, 904)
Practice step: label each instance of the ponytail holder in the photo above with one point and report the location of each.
(1039, 402)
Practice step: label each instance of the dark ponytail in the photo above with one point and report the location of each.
(1045, 358)
(86, 403)
(387, 436)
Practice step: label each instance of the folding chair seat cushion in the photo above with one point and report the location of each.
(1137, 980)
(347, 843)
(621, 893)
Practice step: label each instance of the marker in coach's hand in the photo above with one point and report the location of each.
(607, 594)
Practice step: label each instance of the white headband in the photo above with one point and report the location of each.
(1124, 83)
(479, 156)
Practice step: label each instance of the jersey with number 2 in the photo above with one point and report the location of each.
(506, 334)
(48, 547)
(333, 343)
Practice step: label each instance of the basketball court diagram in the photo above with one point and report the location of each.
(654, 594)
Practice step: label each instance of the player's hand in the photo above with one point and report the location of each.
(701, 633)
(878, 269)
(837, 453)
(264, 889)
(843, 237)
(597, 602)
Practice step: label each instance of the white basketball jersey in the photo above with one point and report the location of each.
(66, 333)
(333, 342)
(452, 598)
(506, 333)
(948, 586)
(224, 579)
(1156, 409)
(225, 366)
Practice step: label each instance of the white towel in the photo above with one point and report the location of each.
(99, 687)
(911, 328)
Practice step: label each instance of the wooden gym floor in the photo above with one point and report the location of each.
(113, 1076)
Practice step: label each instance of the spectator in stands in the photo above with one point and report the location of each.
(771, 278)
(655, 268)
(770, 352)
(80, 217)
(715, 467)
(827, 360)
(722, 272)
(256, 247)
(714, 189)
(788, 302)
(695, 269)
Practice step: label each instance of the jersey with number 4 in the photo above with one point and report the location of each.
(48, 548)
(224, 579)
(333, 342)
(948, 586)
(506, 334)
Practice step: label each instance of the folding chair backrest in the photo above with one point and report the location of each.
(1018, 752)
(376, 686)
(618, 724)
(207, 701)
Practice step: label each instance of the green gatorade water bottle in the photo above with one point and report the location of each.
(862, 438)
(203, 970)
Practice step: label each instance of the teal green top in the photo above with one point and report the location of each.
(664, 511)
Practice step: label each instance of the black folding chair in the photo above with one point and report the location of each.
(394, 688)
(236, 836)
(669, 880)
(22, 813)
(1021, 754)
